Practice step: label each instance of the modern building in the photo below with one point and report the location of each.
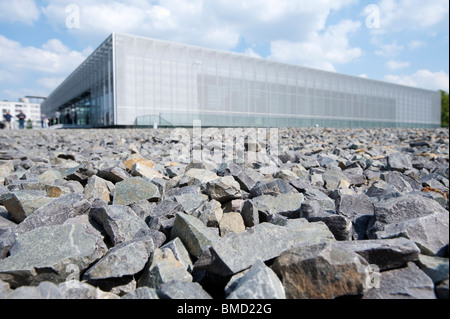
(32, 110)
(131, 80)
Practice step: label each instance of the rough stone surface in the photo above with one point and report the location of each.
(81, 204)
(321, 271)
(259, 282)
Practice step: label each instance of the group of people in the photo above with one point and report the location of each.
(8, 120)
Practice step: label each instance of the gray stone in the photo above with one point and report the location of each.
(385, 253)
(284, 204)
(250, 213)
(436, 268)
(180, 253)
(332, 178)
(245, 181)
(190, 202)
(231, 223)
(21, 204)
(61, 249)
(259, 282)
(74, 289)
(133, 190)
(400, 209)
(97, 187)
(325, 202)
(210, 213)
(45, 290)
(359, 209)
(144, 293)
(163, 268)
(120, 223)
(265, 241)
(274, 188)
(184, 290)
(223, 189)
(193, 233)
(442, 290)
(382, 191)
(56, 212)
(399, 162)
(404, 283)
(321, 271)
(125, 259)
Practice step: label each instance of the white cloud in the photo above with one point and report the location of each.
(389, 50)
(399, 15)
(53, 58)
(23, 11)
(422, 79)
(215, 24)
(414, 45)
(323, 51)
(50, 83)
(397, 65)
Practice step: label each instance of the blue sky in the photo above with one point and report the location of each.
(400, 41)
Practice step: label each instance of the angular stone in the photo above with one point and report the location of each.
(259, 282)
(437, 268)
(120, 223)
(210, 213)
(125, 259)
(265, 241)
(332, 178)
(197, 176)
(193, 233)
(250, 214)
(74, 289)
(430, 232)
(223, 189)
(113, 174)
(404, 283)
(56, 212)
(284, 204)
(359, 209)
(325, 202)
(274, 188)
(322, 271)
(140, 160)
(144, 293)
(382, 191)
(142, 170)
(184, 290)
(180, 253)
(240, 175)
(45, 290)
(398, 162)
(97, 187)
(385, 253)
(133, 190)
(61, 249)
(21, 204)
(163, 268)
(231, 223)
(191, 201)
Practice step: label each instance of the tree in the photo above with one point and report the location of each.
(444, 108)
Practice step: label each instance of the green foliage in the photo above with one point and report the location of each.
(444, 114)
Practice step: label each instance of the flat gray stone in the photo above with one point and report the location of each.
(193, 233)
(259, 282)
(133, 190)
(120, 223)
(61, 249)
(125, 259)
(404, 283)
(265, 241)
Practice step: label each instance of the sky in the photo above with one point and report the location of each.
(398, 41)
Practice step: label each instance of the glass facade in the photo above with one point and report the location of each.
(131, 80)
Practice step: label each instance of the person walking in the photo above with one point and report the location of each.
(22, 118)
(8, 118)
